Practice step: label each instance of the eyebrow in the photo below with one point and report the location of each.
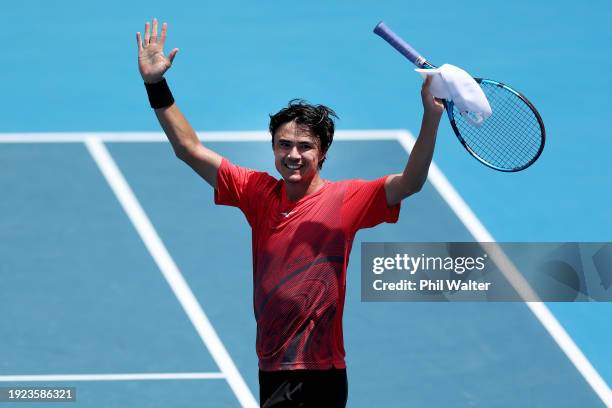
(308, 141)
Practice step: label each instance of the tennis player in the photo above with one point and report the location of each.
(303, 228)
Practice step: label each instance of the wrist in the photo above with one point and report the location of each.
(159, 94)
(153, 80)
(432, 117)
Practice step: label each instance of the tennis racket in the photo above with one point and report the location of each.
(510, 140)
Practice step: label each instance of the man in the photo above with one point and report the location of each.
(303, 228)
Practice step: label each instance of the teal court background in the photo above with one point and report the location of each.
(81, 294)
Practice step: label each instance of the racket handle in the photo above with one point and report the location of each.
(402, 46)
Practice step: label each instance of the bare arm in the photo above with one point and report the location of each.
(400, 186)
(153, 64)
(186, 144)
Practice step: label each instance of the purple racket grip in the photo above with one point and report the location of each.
(402, 46)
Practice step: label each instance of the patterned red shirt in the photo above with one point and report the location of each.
(300, 255)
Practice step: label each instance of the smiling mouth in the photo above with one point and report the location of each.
(293, 166)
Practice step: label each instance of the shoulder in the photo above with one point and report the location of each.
(230, 169)
(354, 185)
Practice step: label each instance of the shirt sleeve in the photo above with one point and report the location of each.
(238, 187)
(365, 205)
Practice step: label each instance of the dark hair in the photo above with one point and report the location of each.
(318, 119)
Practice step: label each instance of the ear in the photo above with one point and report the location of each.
(322, 155)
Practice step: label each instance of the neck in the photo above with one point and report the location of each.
(296, 191)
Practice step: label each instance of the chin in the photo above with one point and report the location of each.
(293, 178)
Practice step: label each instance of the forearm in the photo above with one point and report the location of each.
(412, 179)
(178, 130)
(181, 135)
(417, 168)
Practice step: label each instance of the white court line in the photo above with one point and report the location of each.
(111, 377)
(166, 264)
(436, 177)
(133, 137)
(512, 274)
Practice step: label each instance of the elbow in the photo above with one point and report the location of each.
(184, 154)
(419, 186)
(413, 181)
(413, 190)
(420, 183)
(403, 186)
(181, 154)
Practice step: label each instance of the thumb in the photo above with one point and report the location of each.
(426, 86)
(172, 55)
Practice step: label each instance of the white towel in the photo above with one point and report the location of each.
(454, 84)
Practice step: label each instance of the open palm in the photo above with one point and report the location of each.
(152, 62)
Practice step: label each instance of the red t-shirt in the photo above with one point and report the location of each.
(300, 255)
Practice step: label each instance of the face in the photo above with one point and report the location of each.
(297, 153)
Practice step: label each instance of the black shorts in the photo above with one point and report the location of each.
(303, 388)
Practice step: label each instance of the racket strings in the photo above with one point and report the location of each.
(511, 137)
(506, 143)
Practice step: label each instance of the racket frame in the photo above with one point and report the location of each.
(451, 117)
(417, 59)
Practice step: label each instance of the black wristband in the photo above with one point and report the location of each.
(159, 94)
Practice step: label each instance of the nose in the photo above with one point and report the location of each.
(293, 153)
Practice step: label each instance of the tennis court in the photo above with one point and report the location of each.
(120, 276)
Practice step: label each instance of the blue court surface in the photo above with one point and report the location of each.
(120, 277)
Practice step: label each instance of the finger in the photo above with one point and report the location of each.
(172, 54)
(139, 41)
(147, 33)
(425, 89)
(154, 31)
(162, 38)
